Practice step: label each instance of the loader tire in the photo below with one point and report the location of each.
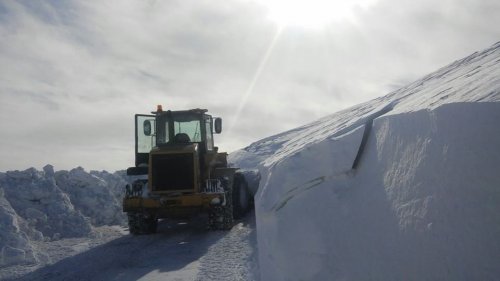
(220, 217)
(142, 223)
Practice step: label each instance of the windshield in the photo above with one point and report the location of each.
(179, 128)
(191, 128)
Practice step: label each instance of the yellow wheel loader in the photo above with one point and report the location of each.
(186, 174)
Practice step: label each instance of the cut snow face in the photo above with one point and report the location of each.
(404, 187)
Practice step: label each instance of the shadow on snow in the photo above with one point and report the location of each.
(132, 257)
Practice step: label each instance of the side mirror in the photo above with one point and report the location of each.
(147, 127)
(218, 125)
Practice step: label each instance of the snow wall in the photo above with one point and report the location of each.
(423, 204)
(404, 187)
(47, 205)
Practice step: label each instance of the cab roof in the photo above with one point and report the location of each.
(195, 111)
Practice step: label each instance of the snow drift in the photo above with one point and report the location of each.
(404, 187)
(47, 205)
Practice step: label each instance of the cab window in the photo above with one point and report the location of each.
(208, 128)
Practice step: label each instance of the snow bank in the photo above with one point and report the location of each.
(38, 199)
(14, 243)
(47, 205)
(422, 202)
(91, 195)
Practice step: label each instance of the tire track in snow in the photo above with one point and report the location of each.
(233, 257)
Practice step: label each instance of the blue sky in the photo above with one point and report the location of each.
(73, 73)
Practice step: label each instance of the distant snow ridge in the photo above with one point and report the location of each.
(47, 205)
(422, 203)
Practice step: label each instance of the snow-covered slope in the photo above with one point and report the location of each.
(403, 187)
(47, 205)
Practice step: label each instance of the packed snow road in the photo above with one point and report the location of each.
(177, 252)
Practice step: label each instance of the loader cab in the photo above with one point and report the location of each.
(184, 127)
(172, 128)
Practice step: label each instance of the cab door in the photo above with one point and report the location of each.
(145, 138)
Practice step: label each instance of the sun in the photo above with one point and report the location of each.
(312, 13)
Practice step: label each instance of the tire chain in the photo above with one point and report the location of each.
(221, 217)
(139, 223)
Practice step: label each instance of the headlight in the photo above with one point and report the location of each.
(215, 201)
(137, 187)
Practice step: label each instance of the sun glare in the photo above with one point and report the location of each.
(312, 13)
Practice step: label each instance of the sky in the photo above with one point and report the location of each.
(74, 73)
